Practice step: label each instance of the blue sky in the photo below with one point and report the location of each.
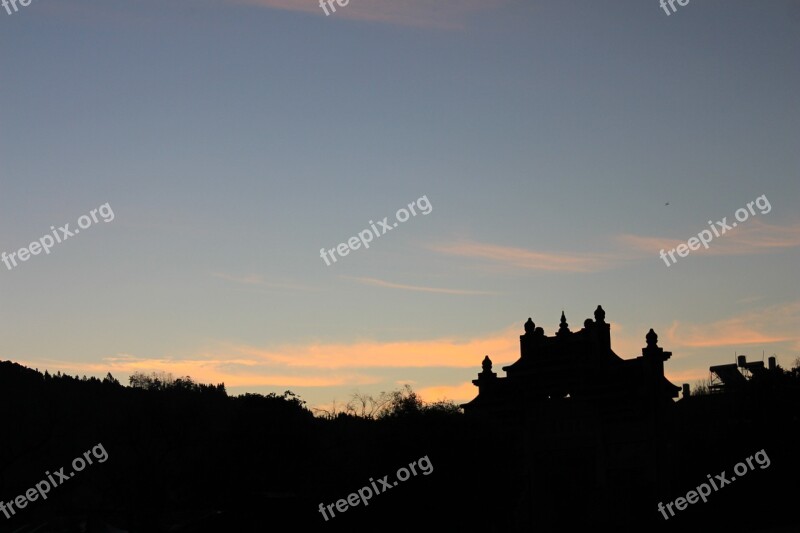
(233, 140)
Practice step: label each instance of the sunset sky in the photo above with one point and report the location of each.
(561, 145)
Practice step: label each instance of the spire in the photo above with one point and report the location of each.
(564, 327)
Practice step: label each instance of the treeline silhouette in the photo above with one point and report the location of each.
(185, 456)
(188, 457)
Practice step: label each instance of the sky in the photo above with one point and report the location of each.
(549, 151)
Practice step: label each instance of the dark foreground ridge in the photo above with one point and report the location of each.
(573, 436)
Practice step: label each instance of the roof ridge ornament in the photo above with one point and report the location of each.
(564, 327)
(530, 327)
(651, 338)
(600, 315)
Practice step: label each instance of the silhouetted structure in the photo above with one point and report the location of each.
(591, 423)
(585, 438)
(572, 364)
(734, 376)
(572, 438)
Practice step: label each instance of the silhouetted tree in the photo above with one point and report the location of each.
(153, 381)
(111, 380)
(403, 402)
(701, 387)
(367, 406)
(443, 407)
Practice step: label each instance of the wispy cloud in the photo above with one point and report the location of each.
(457, 393)
(751, 237)
(307, 365)
(360, 362)
(366, 362)
(233, 371)
(627, 344)
(447, 352)
(778, 323)
(444, 14)
(754, 237)
(389, 285)
(255, 279)
(527, 259)
(690, 375)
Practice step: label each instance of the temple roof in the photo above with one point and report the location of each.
(579, 363)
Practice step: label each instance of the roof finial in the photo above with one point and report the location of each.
(651, 338)
(530, 327)
(564, 327)
(487, 373)
(599, 315)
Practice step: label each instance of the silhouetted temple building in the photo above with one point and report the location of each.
(577, 364)
(592, 426)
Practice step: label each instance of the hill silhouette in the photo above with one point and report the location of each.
(187, 457)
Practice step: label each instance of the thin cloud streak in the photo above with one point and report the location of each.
(528, 259)
(439, 14)
(370, 362)
(255, 279)
(686, 376)
(313, 365)
(450, 353)
(750, 237)
(390, 285)
(458, 393)
(206, 371)
(325, 364)
(779, 323)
